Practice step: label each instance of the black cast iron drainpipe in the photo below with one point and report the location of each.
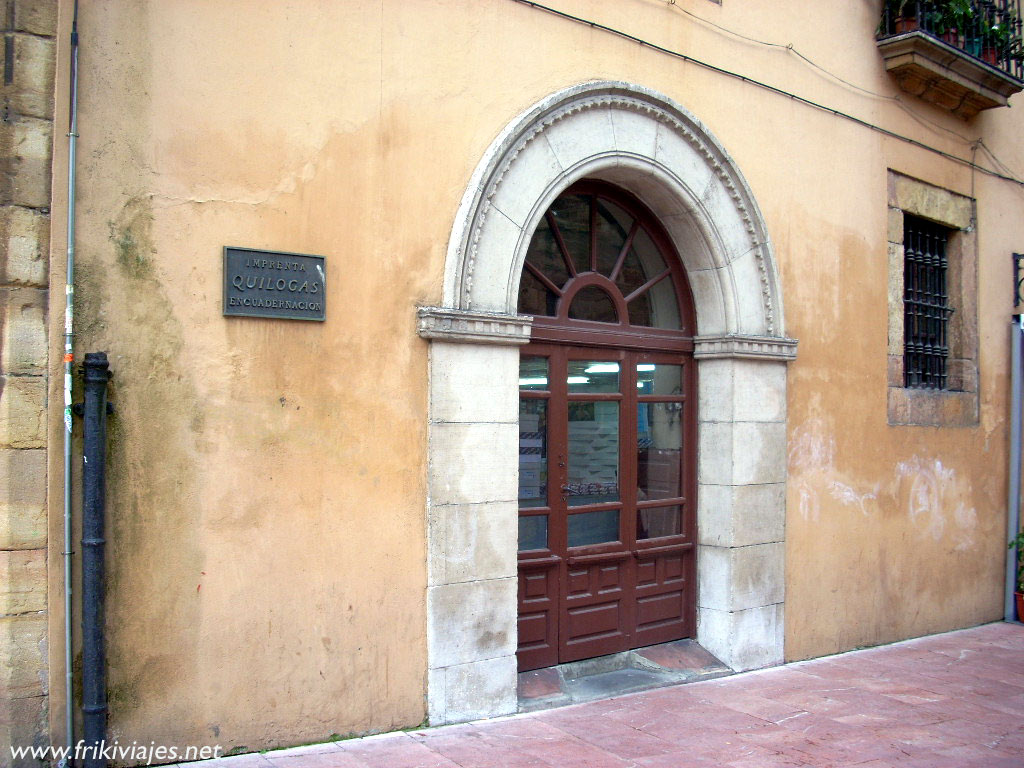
(94, 461)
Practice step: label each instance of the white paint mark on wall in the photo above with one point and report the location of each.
(934, 498)
(812, 447)
(847, 495)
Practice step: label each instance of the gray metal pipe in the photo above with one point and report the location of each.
(69, 292)
(1013, 497)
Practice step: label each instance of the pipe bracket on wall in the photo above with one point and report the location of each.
(1018, 278)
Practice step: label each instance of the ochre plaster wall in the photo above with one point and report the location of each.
(267, 478)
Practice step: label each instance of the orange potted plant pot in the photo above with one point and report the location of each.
(1018, 542)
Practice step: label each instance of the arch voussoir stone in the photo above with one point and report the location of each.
(651, 146)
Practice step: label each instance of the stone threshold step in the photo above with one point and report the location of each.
(656, 666)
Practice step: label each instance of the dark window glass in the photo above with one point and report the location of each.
(533, 453)
(535, 298)
(654, 522)
(546, 256)
(593, 454)
(659, 442)
(593, 304)
(581, 234)
(613, 225)
(587, 528)
(533, 532)
(533, 373)
(572, 216)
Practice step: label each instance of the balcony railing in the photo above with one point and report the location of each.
(961, 55)
(987, 30)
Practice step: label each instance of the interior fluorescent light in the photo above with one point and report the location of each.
(602, 368)
(645, 366)
(578, 380)
(531, 382)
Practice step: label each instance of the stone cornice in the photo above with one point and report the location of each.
(460, 326)
(754, 347)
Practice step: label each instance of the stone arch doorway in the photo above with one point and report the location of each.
(607, 433)
(650, 146)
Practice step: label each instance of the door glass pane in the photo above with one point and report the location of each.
(533, 373)
(593, 453)
(593, 304)
(533, 453)
(593, 376)
(657, 521)
(593, 527)
(658, 379)
(613, 225)
(572, 215)
(533, 532)
(659, 442)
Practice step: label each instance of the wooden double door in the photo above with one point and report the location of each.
(607, 513)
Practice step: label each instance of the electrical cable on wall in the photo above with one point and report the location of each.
(781, 92)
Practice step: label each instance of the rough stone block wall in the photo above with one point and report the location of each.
(26, 138)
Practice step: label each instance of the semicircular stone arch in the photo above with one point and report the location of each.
(649, 145)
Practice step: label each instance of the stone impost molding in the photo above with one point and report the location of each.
(753, 347)
(462, 326)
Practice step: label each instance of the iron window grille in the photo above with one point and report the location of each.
(926, 307)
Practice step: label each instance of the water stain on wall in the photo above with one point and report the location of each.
(131, 317)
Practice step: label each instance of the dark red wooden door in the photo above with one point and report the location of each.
(607, 435)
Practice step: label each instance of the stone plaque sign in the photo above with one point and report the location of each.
(288, 286)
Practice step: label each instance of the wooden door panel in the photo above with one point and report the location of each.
(596, 616)
(594, 620)
(646, 572)
(538, 616)
(664, 598)
(594, 630)
(609, 579)
(659, 608)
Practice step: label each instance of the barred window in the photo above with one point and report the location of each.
(926, 307)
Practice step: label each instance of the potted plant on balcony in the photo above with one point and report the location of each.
(999, 44)
(951, 19)
(902, 15)
(1018, 542)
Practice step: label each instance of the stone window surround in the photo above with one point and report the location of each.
(651, 146)
(957, 405)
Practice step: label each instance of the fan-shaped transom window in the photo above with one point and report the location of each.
(598, 256)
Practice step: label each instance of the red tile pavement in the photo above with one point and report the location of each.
(949, 701)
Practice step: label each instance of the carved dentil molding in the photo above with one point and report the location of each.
(755, 347)
(467, 327)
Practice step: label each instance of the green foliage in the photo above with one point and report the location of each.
(1018, 542)
(975, 25)
(952, 14)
